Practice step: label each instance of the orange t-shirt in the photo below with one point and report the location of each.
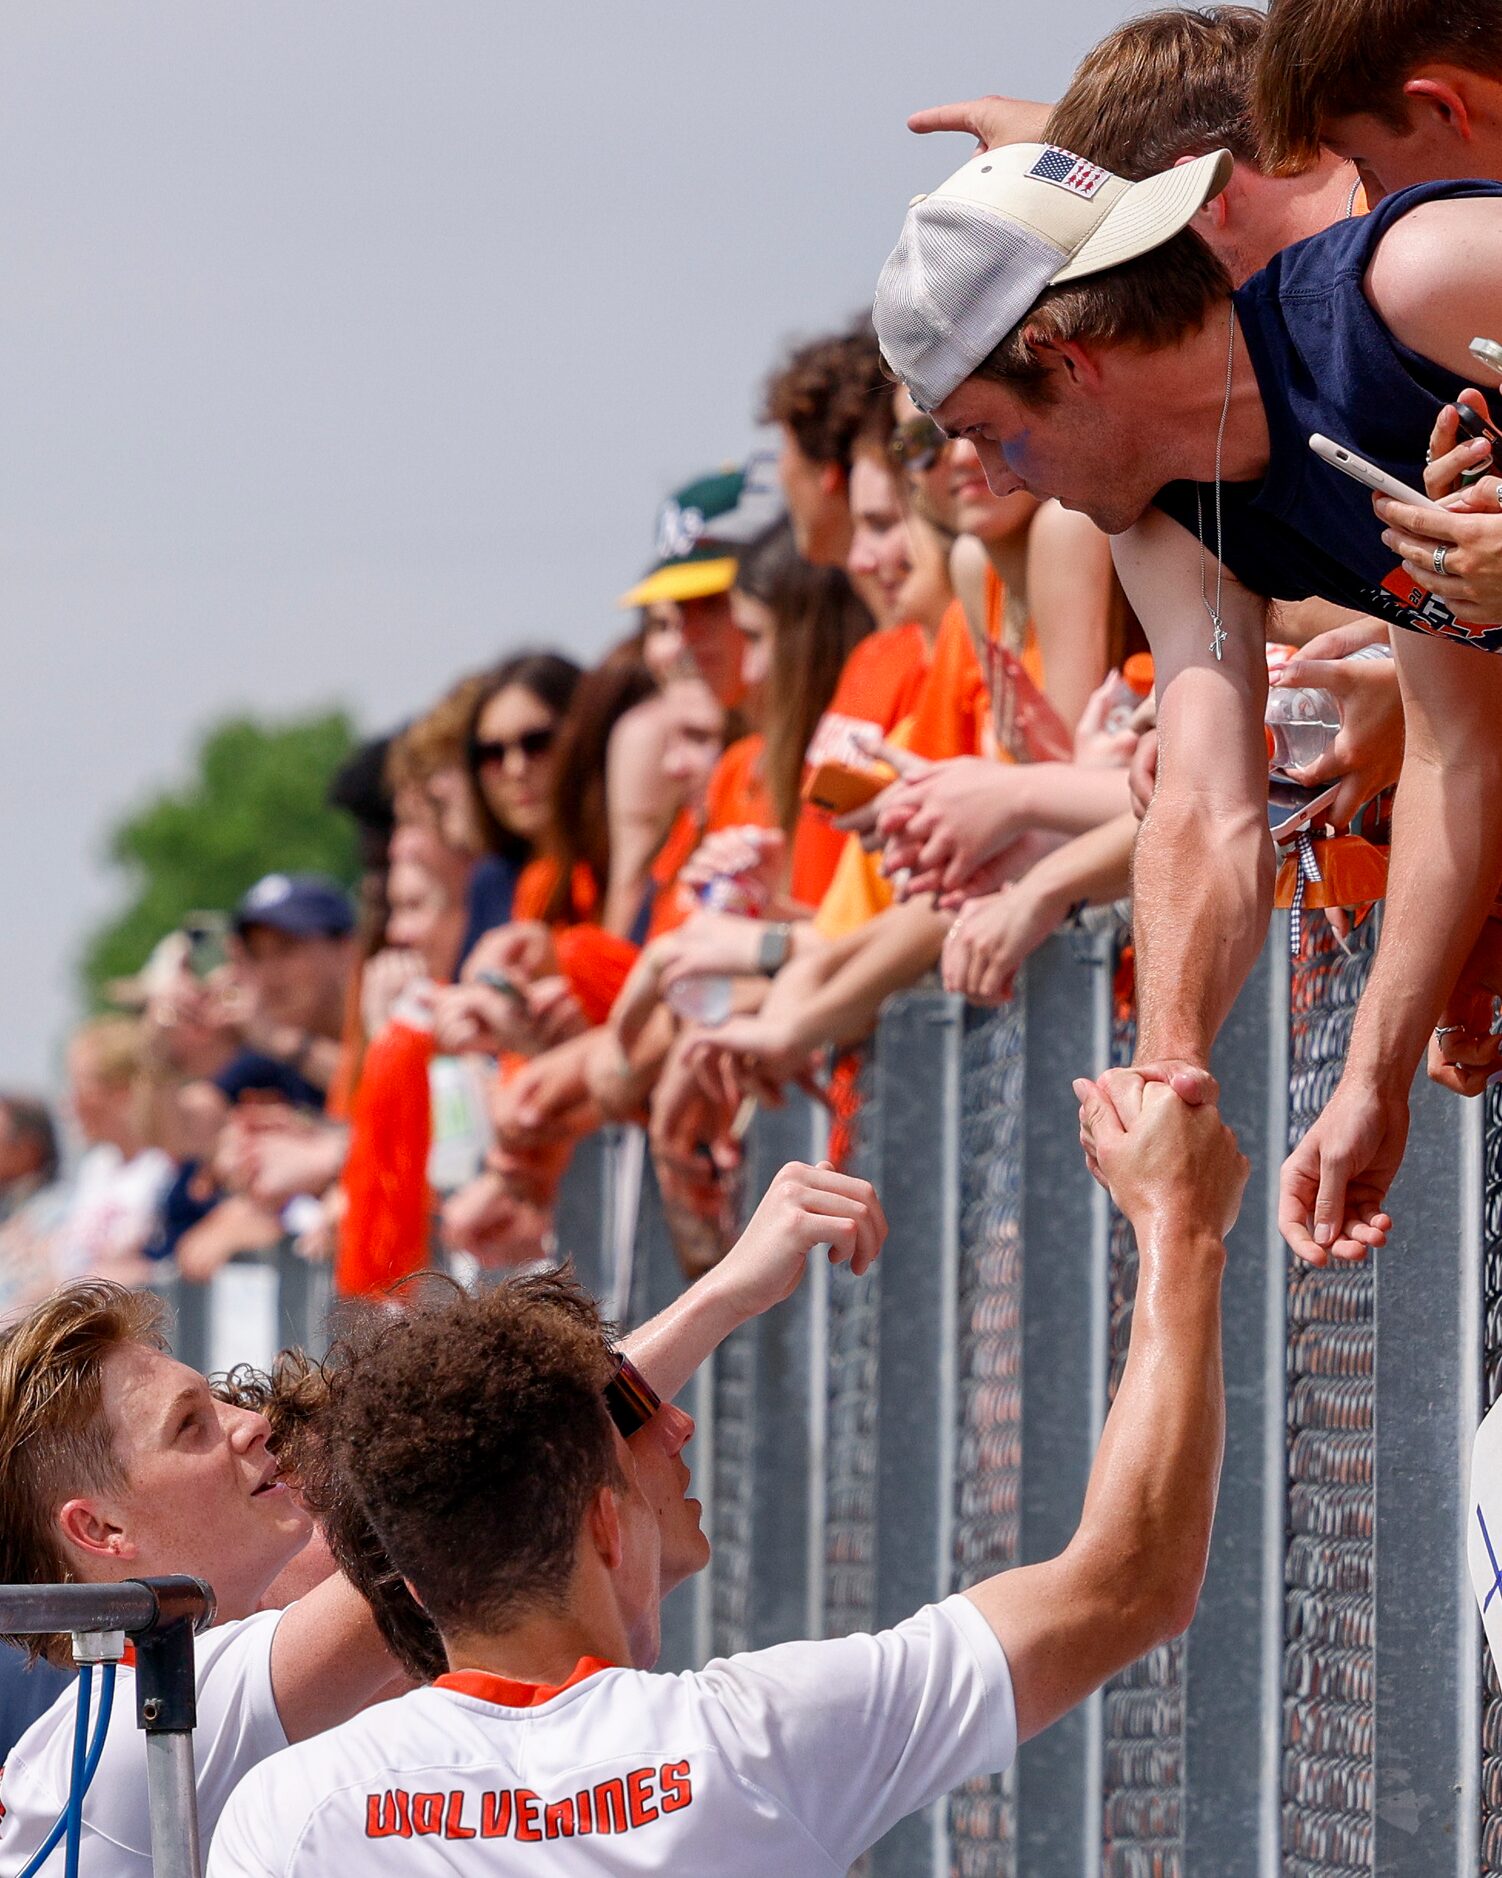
(954, 705)
(595, 962)
(883, 676)
(881, 682)
(384, 1233)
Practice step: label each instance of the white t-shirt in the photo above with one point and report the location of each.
(791, 1761)
(113, 1211)
(237, 1726)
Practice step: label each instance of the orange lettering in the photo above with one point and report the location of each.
(495, 1815)
(585, 1812)
(386, 1816)
(677, 1788)
(639, 1786)
(527, 1806)
(427, 1812)
(454, 1826)
(558, 1820)
(610, 1806)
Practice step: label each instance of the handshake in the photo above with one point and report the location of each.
(1165, 1160)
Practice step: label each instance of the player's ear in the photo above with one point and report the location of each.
(1438, 98)
(833, 480)
(87, 1528)
(1068, 361)
(603, 1524)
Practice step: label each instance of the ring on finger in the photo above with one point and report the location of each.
(1441, 1031)
(1439, 561)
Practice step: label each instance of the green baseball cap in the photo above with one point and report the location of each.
(701, 528)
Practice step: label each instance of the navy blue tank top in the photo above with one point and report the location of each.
(1325, 362)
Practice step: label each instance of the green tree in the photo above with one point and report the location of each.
(256, 804)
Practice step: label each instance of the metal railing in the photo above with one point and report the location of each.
(881, 1442)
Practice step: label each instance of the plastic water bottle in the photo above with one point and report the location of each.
(1133, 684)
(1304, 720)
(708, 997)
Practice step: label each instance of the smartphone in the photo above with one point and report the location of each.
(1359, 470)
(499, 982)
(1475, 426)
(1488, 353)
(1292, 806)
(206, 934)
(841, 789)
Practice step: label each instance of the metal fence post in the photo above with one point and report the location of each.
(585, 1218)
(763, 1411)
(304, 1293)
(917, 1072)
(656, 1279)
(1233, 1652)
(1426, 1805)
(1064, 1320)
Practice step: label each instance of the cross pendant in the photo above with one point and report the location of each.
(1218, 637)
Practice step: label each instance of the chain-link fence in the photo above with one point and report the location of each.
(879, 1442)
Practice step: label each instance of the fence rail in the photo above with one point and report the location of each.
(880, 1442)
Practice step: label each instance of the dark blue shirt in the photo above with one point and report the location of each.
(492, 889)
(1325, 362)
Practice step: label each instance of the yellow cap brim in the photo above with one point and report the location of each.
(685, 580)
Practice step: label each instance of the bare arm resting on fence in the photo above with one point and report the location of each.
(1203, 871)
(1130, 1577)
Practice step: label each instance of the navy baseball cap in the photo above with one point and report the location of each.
(309, 906)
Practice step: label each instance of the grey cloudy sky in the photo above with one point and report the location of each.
(345, 343)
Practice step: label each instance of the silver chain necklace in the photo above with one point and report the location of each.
(1218, 635)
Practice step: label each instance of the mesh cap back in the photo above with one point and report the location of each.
(955, 285)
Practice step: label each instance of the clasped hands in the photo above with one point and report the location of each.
(1332, 1185)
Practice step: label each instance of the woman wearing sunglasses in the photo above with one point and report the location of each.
(510, 760)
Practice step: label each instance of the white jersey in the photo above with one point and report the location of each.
(237, 1726)
(791, 1761)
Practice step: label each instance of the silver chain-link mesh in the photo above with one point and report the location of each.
(1491, 1689)
(734, 1412)
(850, 1501)
(1327, 1770)
(990, 1363)
(1143, 1719)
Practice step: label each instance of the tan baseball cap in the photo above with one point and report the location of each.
(976, 254)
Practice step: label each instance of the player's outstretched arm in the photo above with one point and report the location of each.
(1130, 1577)
(804, 1208)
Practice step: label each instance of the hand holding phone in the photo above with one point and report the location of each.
(1291, 806)
(840, 789)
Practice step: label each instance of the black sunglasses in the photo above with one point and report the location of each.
(630, 1400)
(917, 443)
(531, 743)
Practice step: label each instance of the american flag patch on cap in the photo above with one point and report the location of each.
(1069, 172)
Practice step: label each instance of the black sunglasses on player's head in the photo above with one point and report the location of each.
(630, 1400)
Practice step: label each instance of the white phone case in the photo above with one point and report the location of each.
(1359, 470)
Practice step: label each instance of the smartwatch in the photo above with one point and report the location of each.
(774, 946)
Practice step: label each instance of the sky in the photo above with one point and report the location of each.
(345, 345)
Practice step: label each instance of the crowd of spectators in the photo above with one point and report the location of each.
(872, 720)
(656, 890)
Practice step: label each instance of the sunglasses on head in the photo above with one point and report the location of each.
(916, 443)
(531, 744)
(630, 1400)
